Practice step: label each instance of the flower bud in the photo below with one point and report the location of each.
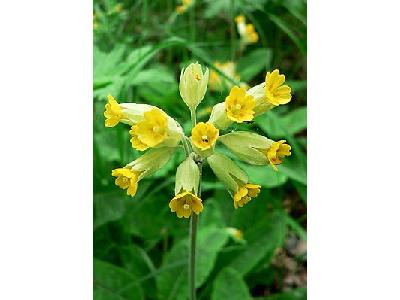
(193, 85)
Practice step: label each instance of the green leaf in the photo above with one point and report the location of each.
(248, 69)
(229, 284)
(296, 294)
(285, 27)
(295, 121)
(173, 285)
(109, 279)
(264, 237)
(264, 175)
(297, 228)
(108, 207)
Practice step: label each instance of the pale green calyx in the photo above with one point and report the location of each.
(187, 177)
(259, 94)
(193, 85)
(218, 116)
(249, 147)
(227, 171)
(153, 160)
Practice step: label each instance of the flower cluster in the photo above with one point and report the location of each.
(159, 135)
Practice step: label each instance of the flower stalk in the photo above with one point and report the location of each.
(193, 230)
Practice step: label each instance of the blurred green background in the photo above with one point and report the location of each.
(140, 247)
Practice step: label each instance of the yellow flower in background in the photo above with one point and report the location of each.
(204, 135)
(247, 32)
(276, 91)
(239, 106)
(245, 194)
(126, 179)
(185, 203)
(217, 83)
(276, 152)
(113, 112)
(151, 131)
(180, 9)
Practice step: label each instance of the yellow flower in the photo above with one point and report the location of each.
(150, 131)
(251, 34)
(113, 112)
(276, 152)
(126, 179)
(239, 106)
(245, 194)
(204, 135)
(185, 203)
(240, 19)
(216, 82)
(135, 141)
(277, 93)
(246, 31)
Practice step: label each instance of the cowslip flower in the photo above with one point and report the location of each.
(234, 178)
(193, 85)
(187, 180)
(217, 83)
(267, 95)
(204, 135)
(271, 93)
(129, 176)
(256, 149)
(239, 105)
(247, 32)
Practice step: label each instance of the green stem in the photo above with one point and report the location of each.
(193, 117)
(193, 232)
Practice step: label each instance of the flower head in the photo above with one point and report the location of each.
(204, 135)
(185, 203)
(276, 91)
(126, 179)
(113, 112)
(245, 194)
(151, 131)
(193, 85)
(239, 106)
(277, 151)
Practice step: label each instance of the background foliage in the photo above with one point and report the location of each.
(140, 247)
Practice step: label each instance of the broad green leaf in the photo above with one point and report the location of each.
(109, 279)
(173, 285)
(212, 214)
(229, 284)
(108, 207)
(263, 238)
(295, 121)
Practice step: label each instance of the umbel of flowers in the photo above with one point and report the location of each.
(158, 136)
